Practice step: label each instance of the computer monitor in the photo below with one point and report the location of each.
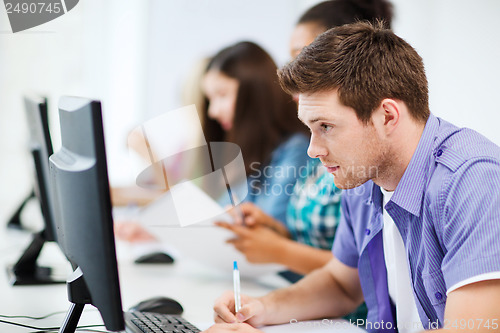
(83, 215)
(14, 222)
(26, 271)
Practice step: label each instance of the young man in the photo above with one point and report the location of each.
(419, 239)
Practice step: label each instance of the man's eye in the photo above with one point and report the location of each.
(325, 127)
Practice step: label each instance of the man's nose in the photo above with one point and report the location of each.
(316, 149)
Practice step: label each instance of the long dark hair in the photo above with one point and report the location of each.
(264, 115)
(334, 13)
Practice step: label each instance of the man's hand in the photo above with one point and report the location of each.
(331, 291)
(252, 310)
(259, 244)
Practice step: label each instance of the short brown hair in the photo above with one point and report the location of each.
(366, 63)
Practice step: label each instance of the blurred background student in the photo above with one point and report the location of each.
(245, 105)
(313, 212)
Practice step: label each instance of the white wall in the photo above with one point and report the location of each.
(459, 41)
(182, 32)
(133, 55)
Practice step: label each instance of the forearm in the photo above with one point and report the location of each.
(278, 227)
(318, 295)
(302, 258)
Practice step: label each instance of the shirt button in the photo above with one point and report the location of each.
(367, 232)
(439, 153)
(438, 295)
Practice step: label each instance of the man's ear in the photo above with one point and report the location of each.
(388, 114)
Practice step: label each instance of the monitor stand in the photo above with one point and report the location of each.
(15, 220)
(78, 295)
(26, 271)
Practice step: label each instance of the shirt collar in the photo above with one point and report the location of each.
(410, 190)
(375, 197)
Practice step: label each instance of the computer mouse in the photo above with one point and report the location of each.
(159, 304)
(154, 258)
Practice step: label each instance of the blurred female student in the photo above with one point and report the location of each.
(246, 106)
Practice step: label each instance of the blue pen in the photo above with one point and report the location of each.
(236, 284)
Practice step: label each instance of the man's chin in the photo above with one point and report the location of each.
(346, 184)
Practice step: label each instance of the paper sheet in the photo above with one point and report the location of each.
(202, 242)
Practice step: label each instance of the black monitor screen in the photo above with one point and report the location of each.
(83, 215)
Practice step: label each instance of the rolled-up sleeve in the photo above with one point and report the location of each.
(471, 221)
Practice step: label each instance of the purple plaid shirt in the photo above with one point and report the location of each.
(447, 209)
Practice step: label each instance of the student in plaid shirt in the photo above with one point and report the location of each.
(314, 209)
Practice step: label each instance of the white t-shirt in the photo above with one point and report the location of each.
(398, 274)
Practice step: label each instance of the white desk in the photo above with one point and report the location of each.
(195, 287)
